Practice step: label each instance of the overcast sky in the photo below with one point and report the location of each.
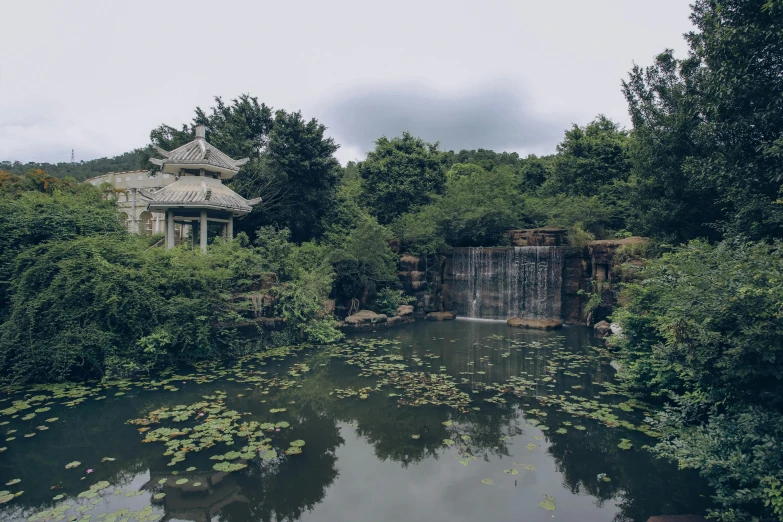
(97, 76)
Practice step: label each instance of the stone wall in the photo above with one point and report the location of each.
(537, 237)
(422, 278)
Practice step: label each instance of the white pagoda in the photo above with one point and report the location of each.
(198, 195)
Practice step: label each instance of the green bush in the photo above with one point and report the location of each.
(702, 331)
(388, 299)
(363, 261)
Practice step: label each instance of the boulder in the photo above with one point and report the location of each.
(441, 316)
(535, 324)
(602, 329)
(404, 310)
(365, 317)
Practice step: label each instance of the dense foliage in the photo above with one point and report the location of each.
(83, 298)
(704, 330)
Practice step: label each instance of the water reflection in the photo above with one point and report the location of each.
(368, 458)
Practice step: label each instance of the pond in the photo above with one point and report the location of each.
(433, 421)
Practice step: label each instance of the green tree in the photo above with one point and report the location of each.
(291, 167)
(399, 174)
(364, 262)
(589, 158)
(707, 130)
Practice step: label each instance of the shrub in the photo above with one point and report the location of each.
(388, 299)
(703, 331)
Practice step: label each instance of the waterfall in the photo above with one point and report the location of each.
(498, 283)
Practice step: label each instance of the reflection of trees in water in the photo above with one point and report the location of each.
(292, 485)
(644, 485)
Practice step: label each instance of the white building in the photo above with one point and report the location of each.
(133, 191)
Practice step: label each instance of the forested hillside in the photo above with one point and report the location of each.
(81, 170)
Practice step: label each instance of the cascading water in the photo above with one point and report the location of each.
(498, 283)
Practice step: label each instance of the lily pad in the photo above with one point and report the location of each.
(548, 503)
(298, 443)
(12, 482)
(181, 481)
(158, 496)
(74, 464)
(487, 481)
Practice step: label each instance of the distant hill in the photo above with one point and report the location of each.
(133, 160)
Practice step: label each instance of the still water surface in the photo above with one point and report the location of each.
(488, 448)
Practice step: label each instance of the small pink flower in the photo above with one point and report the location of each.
(88, 471)
(277, 429)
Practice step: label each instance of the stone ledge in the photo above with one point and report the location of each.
(534, 324)
(441, 316)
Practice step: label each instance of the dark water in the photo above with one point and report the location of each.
(360, 460)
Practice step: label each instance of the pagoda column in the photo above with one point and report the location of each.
(170, 228)
(203, 230)
(230, 227)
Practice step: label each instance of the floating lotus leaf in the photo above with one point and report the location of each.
(73, 464)
(465, 437)
(58, 497)
(158, 496)
(531, 447)
(162, 481)
(13, 481)
(548, 503)
(228, 466)
(293, 450)
(511, 471)
(416, 436)
(625, 444)
(108, 459)
(282, 424)
(192, 468)
(487, 481)
(269, 455)
(6, 498)
(277, 410)
(448, 442)
(530, 467)
(181, 481)
(298, 443)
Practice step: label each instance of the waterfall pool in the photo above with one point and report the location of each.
(451, 421)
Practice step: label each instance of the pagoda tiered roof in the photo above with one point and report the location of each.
(198, 154)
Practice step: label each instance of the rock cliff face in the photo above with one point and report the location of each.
(540, 278)
(422, 278)
(538, 237)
